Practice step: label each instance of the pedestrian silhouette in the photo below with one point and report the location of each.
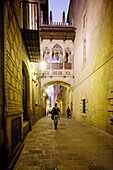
(55, 115)
(68, 112)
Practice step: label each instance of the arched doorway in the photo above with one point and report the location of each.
(24, 95)
(25, 92)
(57, 57)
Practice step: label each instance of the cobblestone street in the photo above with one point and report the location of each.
(74, 145)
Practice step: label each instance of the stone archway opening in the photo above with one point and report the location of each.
(58, 92)
(62, 83)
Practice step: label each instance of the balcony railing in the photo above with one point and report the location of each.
(68, 65)
(56, 24)
(57, 65)
(60, 66)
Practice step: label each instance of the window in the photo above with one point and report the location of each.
(67, 58)
(57, 54)
(84, 105)
(46, 55)
(24, 95)
(84, 52)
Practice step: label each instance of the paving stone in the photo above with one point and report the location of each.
(35, 151)
(73, 146)
(27, 168)
(29, 162)
(96, 168)
(27, 156)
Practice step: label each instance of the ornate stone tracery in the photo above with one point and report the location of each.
(46, 55)
(57, 54)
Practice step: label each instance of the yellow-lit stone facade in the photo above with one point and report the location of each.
(93, 62)
(64, 100)
(20, 105)
(13, 47)
(1, 89)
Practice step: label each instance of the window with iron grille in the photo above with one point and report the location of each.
(84, 105)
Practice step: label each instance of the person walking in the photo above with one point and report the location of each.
(68, 112)
(55, 114)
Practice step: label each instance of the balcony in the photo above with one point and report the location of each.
(59, 69)
(57, 31)
(30, 30)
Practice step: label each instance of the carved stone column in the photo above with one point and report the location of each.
(50, 59)
(63, 58)
(41, 53)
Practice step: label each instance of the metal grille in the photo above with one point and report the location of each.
(16, 132)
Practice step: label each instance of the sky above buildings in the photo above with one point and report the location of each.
(57, 7)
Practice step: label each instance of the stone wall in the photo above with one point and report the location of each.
(13, 45)
(93, 79)
(16, 61)
(1, 88)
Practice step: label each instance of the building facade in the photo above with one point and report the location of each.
(21, 96)
(93, 62)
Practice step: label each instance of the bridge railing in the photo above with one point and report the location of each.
(67, 66)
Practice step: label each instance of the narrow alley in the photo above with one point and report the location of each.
(66, 61)
(74, 145)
